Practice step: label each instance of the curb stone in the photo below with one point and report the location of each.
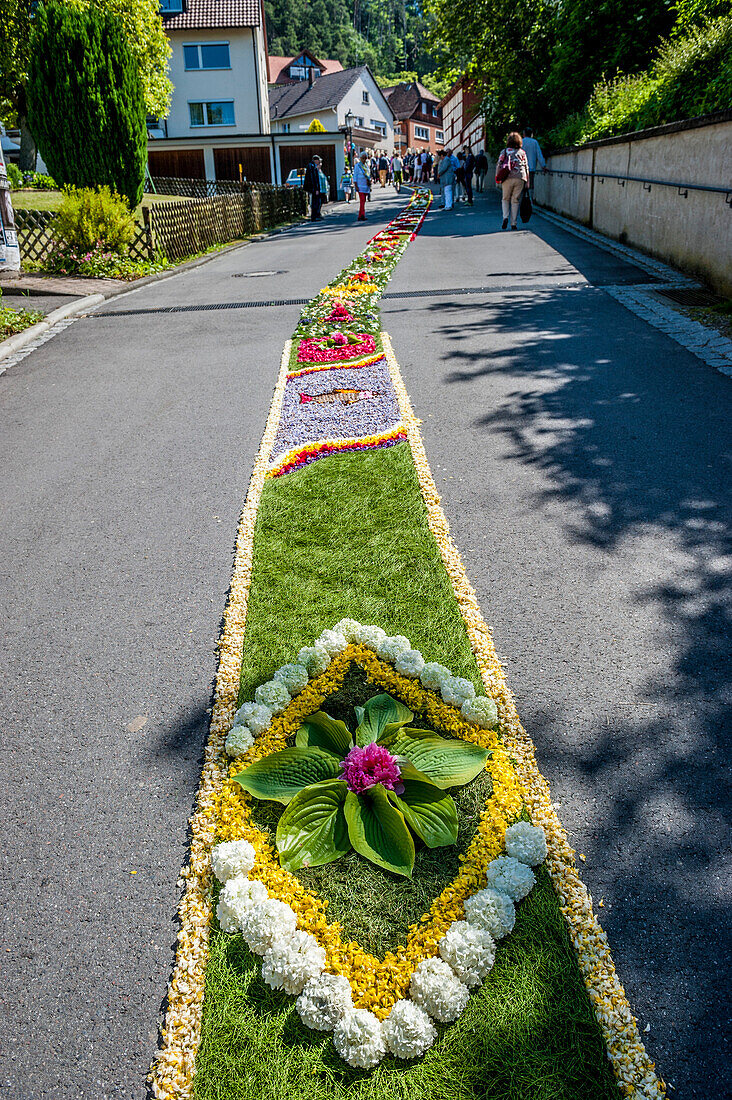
(20, 340)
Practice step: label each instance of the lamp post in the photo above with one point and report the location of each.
(350, 118)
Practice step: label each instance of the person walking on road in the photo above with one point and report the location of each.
(397, 168)
(534, 155)
(481, 168)
(347, 183)
(446, 174)
(512, 174)
(383, 169)
(362, 184)
(469, 168)
(311, 185)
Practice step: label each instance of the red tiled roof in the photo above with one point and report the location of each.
(212, 14)
(279, 66)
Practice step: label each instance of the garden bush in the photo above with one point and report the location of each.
(89, 218)
(39, 181)
(15, 176)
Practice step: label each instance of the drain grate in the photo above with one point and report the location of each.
(450, 292)
(203, 306)
(688, 296)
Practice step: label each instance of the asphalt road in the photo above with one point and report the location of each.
(585, 463)
(128, 441)
(581, 456)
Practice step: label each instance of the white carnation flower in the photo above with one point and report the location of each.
(455, 690)
(492, 910)
(293, 960)
(371, 636)
(408, 1030)
(481, 711)
(432, 675)
(264, 924)
(315, 658)
(526, 842)
(510, 877)
(294, 677)
(349, 628)
(359, 1038)
(391, 648)
(410, 663)
(233, 857)
(237, 899)
(254, 715)
(323, 1001)
(273, 694)
(332, 641)
(239, 740)
(436, 988)
(470, 951)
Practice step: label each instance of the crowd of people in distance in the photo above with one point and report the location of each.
(456, 174)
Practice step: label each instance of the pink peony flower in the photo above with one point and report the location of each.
(364, 768)
(338, 339)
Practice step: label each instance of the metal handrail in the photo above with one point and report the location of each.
(683, 188)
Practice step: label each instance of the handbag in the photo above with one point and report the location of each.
(502, 173)
(526, 208)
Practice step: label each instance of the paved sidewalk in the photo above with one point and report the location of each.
(583, 458)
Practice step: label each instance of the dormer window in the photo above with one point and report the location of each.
(168, 7)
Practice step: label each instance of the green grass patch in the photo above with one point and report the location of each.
(348, 535)
(16, 320)
(528, 1033)
(26, 198)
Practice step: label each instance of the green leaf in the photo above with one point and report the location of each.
(427, 810)
(378, 831)
(312, 830)
(323, 732)
(281, 775)
(448, 763)
(382, 716)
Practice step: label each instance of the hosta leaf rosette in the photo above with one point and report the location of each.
(391, 780)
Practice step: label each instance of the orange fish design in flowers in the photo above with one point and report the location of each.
(346, 397)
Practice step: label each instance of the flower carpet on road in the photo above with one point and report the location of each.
(380, 901)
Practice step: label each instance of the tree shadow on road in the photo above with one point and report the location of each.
(629, 437)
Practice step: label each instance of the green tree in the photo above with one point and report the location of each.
(599, 40)
(147, 39)
(505, 47)
(15, 24)
(85, 99)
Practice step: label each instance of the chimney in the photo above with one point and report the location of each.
(310, 75)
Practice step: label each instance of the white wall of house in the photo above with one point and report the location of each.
(376, 110)
(243, 85)
(376, 114)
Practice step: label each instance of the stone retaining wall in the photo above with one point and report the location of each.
(692, 231)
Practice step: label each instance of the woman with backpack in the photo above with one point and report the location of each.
(512, 175)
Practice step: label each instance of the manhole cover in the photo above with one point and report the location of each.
(687, 296)
(256, 274)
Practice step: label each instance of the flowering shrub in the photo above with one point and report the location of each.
(89, 219)
(96, 262)
(390, 780)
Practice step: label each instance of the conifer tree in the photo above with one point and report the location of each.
(85, 100)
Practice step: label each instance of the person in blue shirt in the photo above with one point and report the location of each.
(534, 154)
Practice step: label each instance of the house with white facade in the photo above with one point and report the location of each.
(347, 99)
(218, 126)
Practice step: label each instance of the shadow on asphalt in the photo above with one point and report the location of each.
(628, 444)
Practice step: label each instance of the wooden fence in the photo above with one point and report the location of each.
(174, 230)
(193, 188)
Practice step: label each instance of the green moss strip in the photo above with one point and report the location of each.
(348, 535)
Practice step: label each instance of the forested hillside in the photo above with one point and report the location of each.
(388, 35)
